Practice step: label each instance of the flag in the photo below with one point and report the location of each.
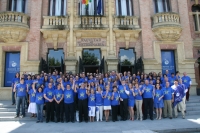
(99, 7)
(178, 95)
(83, 1)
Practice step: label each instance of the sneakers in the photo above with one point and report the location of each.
(16, 116)
(22, 116)
(183, 117)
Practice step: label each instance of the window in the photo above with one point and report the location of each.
(91, 7)
(57, 7)
(17, 5)
(161, 6)
(124, 7)
(196, 17)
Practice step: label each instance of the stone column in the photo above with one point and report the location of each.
(71, 61)
(112, 60)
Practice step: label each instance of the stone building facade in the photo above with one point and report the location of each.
(145, 27)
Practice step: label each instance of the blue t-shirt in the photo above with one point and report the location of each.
(68, 96)
(171, 80)
(186, 81)
(107, 100)
(82, 94)
(39, 83)
(32, 95)
(167, 93)
(21, 90)
(115, 100)
(39, 99)
(58, 94)
(99, 99)
(148, 92)
(49, 93)
(29, 83)
(15, 81)
(158, 94)
(122, 92)
(131, 97)
(91, 100)
(137, 94)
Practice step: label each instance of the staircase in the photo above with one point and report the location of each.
(8, 111)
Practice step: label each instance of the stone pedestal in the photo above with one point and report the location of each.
(112, 64)
(71, 65)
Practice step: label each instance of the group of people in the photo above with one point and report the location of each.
(77, 97)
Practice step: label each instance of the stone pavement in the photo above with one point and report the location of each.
(191, 123)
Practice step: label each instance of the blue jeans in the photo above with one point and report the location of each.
(13, 97)
(40, 112)
(20, 100)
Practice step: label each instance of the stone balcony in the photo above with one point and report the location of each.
(91, 23)
(166, 26)
(13, 26)
(126, 22)
(126, 28)
(55, 29)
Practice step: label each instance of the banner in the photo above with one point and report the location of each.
(168, 62)
(12, 66)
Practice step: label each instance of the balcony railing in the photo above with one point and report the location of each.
(92, 22)
(126, 22)
(55, 22)
(10, 19)
(166, 19)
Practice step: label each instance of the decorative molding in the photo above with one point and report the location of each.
(167, 33)
(127, 35)
(55, 36)
(90, 33)
(13, 34)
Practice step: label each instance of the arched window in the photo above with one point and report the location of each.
(57, 7)
(162, 6)
(196, 16)
(124, 7)
(17, 5)
(91, 7)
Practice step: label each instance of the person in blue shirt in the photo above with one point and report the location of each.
(107, 102)
(187, 82)
(168, 100)
(91, 104)
(138, 101)
(21, 91)
(15, 80)
(123, 100)
(115, 103)
(99, 104)
(82, 102)
(158, 101)
(148, 99)
(172, 79)
(131, 101)
(69, 101)
(58, 97)
(39, 100)
(49, 101)
(32, 105)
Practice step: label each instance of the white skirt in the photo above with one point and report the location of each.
(106, 107)
(91, 110)
(32, 108)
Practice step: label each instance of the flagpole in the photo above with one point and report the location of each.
(81, 12)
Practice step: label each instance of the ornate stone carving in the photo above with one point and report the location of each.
(13, 26)
(166, 26)
(167, 33)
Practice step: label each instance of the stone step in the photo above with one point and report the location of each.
(11, 118)
(7, 109)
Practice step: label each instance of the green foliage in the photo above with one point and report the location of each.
(54, 62)
(90, 59)
(126, 62)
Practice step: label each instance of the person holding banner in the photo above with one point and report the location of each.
(178, 96)
(16, 80)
